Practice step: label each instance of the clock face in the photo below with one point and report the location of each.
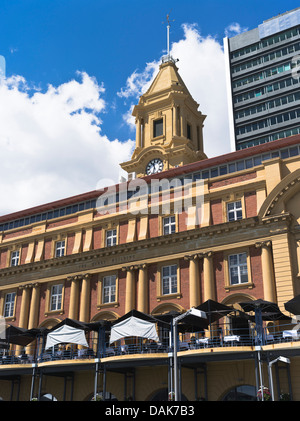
(154, 166)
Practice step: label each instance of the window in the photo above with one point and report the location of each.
(158, 127)
(9, 304)
(109, 289)
(189, 131)
(241, 393)
(169, 224)
(169, 279)
(111, 238)
(238, 270)
(60, 248)
(14, 260)
(234, 211)
(56, 297)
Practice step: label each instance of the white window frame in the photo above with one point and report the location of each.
(111, 237)
(169, 225)
(15, 258)
(109, 289)
(9, 305)
(169, 279)
(238, 269)
(56, 297)
(236, 212)
(60, 247)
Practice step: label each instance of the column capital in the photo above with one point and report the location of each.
(260, 244)
(141, 266)
(26, 286)
(205, 254)
(75, 278)
(192, 257)
(129, 268)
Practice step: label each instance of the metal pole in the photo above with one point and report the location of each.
(32, 381)
(168, 40)
(260, 376)
(175, 359)
(104, 382)
(271, 382)
(96, 380)
(171, 354)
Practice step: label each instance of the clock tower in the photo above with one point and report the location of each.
(168, 125)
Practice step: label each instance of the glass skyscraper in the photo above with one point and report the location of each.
(263, 81)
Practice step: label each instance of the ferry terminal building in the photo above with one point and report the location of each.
(67, 261)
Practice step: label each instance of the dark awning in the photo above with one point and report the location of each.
(214, 310)
(268, 316)
(87, 326)
(293, 306)
(18, 336)
(264, 306)
(139, 315)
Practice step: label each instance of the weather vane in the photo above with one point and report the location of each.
(168, 32)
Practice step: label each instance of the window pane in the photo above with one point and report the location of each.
(158, 127)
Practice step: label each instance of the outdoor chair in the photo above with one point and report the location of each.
(90, 353)
(23, 358)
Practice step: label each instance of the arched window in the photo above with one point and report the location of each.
(241, 393)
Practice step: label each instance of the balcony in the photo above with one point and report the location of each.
(221, 338)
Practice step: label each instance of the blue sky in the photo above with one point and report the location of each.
(56, 42)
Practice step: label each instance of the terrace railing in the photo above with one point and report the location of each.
(221, 337)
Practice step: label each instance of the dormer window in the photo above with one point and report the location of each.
(158, 127)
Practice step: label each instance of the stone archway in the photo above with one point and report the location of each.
(166, 308)
(244, 392)
(276, 201)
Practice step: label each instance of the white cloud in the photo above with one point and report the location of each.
(138, 82)
(202, 68)
(51, 142)
(234, 29)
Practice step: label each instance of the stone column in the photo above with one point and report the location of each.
(24, 311)
(143, 289)
(174, 114)
(74, 297)
(34, 306)
(267, 271)
(194, 280)
(138, 132)
(208, 271)
(85, 299)
(33, 314)
(130, 289)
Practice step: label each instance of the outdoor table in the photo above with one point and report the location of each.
(290, 334)
(204, 341)
(231, 339)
